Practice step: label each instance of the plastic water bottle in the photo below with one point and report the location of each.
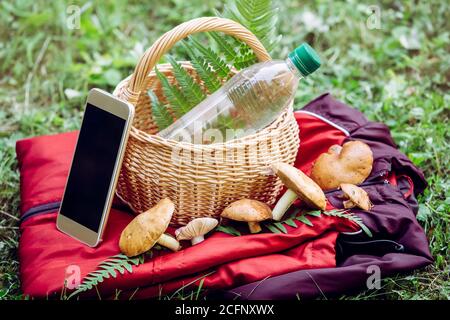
(251, 100)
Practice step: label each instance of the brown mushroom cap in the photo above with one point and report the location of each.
(250, 211)
(305, 188)
(351, 163)
(357, 197)
(247, 210)
(141, 234)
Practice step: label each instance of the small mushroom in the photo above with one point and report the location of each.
(250, 211)
(351, 163)
(147, 229)
(357, 197)
(299, 186)
(196, 229)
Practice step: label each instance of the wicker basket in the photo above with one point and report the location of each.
(203, 179)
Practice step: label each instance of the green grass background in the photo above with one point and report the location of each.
(398, 74)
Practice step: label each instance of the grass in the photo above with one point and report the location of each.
(398, 74)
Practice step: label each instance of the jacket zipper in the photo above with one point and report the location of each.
(41, 209)
(47, 208)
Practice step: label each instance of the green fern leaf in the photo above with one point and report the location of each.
(259, 16)
(108, 268)
(222, 69)
(305, 220)
(177, 100)
(272, 228)
(291, 223)
(128, 267)
(109, 264)
(228, 230)
(280, 226)
(208, 76)
(348, 215)
(224, 46)
(160, 114)
(277, 226)
(245, 58)
(190, 88)
(315, 213)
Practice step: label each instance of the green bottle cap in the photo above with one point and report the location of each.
(305, 58)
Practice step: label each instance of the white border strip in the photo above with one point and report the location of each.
(325, 120)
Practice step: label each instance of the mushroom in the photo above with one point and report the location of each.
(351, 163)
(299, 186)
(247, 210)
(147, 229)
(196, 229)
(357, 197)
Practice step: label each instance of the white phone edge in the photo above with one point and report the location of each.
(105, 101)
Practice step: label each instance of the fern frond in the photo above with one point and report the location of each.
(259, 16)
(190, 88)
(350, 216)
(204, 71)
(225, 46)
(278, 227)
(245, 58)
(176, 98)
(217, 63)
(160, 114)
(108, 268)
(228, 230)
(228, 122)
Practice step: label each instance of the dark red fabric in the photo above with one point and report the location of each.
(45, 253)
(44, 163)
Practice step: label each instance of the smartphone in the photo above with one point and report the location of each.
(95, 167)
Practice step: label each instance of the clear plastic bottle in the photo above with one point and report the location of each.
(251, 100)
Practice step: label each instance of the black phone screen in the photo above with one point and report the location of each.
(92, 168)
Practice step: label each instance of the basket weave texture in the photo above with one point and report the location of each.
(200, 179)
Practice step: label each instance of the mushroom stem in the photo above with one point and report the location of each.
(197, 240)
(283, 204)
(169, 242)
(348, 204)
(254, 227)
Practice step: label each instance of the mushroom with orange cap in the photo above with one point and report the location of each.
(357, 197)
(147, 229)
(250, 211)
(351, 163)
(299, 186)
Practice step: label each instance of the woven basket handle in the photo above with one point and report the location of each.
(150, 58)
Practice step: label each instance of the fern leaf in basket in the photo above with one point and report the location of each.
(161, 115)
(259, 16)
(213, 65)
(179, 103)
(191, 90)
(217, 63)
(224, 46)
(246, 57)
(203, 69)
(111, 267)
